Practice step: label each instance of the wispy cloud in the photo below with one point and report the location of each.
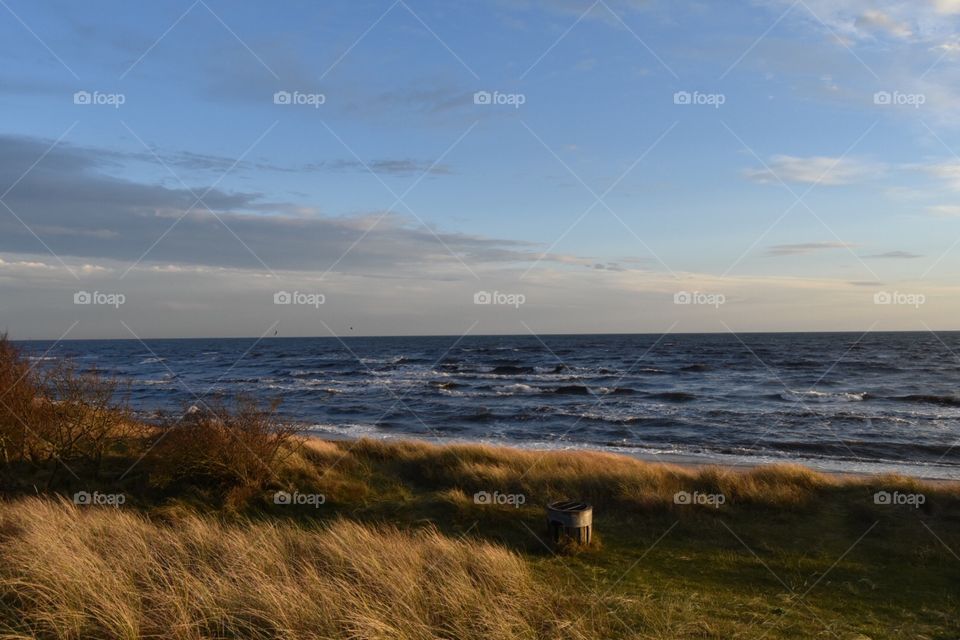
(878, 20)
(895, 255)
(864, 20)
(947, 7)
(804, 248)
(398, 167)
(825, 170)
(945, 210)
(193, 161)
(948, 172)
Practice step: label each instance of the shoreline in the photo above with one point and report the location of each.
(695, 462)
(685, 460)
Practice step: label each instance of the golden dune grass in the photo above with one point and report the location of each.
(100, 572)
(604, 478)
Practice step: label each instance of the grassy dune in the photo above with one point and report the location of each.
(399, 549)
(791, 553)
(386, 540)
(105, 573)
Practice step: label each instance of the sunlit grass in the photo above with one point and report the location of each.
(70, 572)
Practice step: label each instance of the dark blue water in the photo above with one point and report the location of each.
(837, 401)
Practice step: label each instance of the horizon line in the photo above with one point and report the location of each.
(488, 335)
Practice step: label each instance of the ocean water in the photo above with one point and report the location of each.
(836, 401)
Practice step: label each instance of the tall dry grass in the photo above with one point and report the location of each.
(607, 480)
(75, 572)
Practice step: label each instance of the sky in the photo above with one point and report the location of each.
(208, 168)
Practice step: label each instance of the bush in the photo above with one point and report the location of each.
(57, 417)
(59, 420)
(217, 445)
(84, 415)
(18, 394)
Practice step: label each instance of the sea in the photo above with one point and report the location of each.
(879, 402)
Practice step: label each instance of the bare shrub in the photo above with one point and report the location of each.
(238, 446)
(85, 416)
(18, 393)
(57, 416)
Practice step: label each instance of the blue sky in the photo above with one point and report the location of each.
(797, 198)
